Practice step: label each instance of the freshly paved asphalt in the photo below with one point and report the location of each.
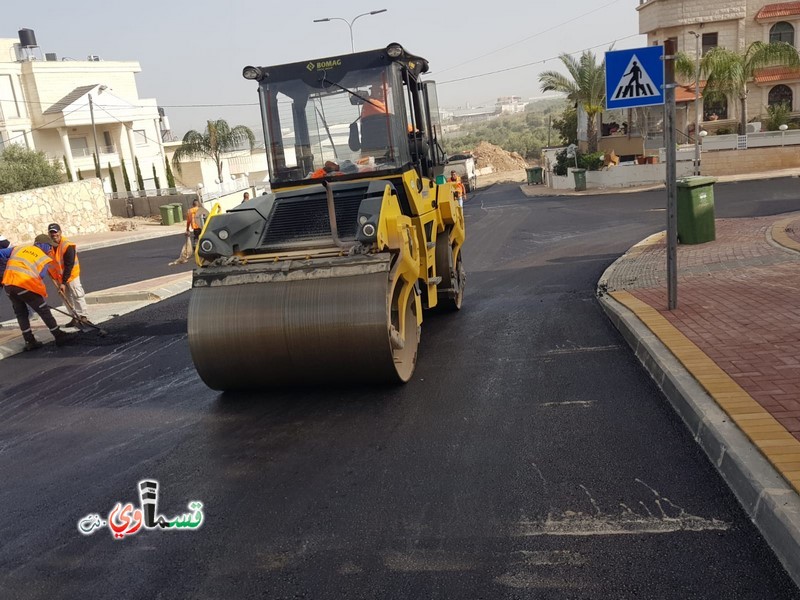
(530, 456)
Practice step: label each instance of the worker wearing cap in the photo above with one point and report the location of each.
(66, 272)
(23, 282)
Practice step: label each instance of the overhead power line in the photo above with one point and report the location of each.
(530, 37)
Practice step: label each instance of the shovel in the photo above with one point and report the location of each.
(82, 322)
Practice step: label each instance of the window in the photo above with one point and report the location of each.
(780, 94)
(8, 98)
(674, 40)
(79, 146)
(19, 138)
(782, 32)
(710, 41)
(715, 109)
(140, 136)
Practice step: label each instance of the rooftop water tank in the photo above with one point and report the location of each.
(27, 38)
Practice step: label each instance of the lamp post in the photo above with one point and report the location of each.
(783, 129)
(350, 23)
(696, 103)
(100, 90)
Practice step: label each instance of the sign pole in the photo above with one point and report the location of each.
(671, 151)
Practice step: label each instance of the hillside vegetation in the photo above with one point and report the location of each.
(524, 133)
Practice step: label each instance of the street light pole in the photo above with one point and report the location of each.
(696, 103)
(350, 23)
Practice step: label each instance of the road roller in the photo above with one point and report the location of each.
(325, 278)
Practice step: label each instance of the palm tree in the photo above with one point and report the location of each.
(586, 86)
(728, 72)
(217, 139)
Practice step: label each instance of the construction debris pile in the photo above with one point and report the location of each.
(489, 155)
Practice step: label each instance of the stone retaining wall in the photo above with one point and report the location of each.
(79, 207)
(753, 160)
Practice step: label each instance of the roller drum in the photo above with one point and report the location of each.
(334, 329)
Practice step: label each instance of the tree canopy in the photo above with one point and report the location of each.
(728, 72)
(22, 169)
(585, 85)
(525, 133)
(217, 139)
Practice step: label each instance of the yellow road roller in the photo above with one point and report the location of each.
(325, 279)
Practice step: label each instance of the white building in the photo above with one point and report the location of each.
(48, 105)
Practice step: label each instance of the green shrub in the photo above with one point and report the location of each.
(113, 178)
(777, 115)
(22, 169)
(590, 162)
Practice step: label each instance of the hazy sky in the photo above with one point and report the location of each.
(193, 52)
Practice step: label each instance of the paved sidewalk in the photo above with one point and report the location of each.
(728, 357)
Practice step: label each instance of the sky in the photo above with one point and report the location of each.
(192, 53)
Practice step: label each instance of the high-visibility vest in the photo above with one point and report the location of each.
(193, 219)
(56, 270)
(23, 268)
(373, 107)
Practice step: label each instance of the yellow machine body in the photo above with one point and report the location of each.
(327, 278)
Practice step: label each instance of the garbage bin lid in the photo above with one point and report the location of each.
(696, 181)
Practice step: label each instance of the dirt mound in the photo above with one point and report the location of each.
(489, 155)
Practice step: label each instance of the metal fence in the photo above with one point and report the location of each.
(762, 139)
(145, 193)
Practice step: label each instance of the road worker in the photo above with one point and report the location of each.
(65, 272)
(23, 282)
(460, 192)
(194, 220)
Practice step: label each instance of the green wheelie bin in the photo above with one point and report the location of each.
(580, 179)
(696, 210)
(177, 211)
(167, 214)
(534, 175)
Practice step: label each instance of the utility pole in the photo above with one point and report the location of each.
(94, 135)
(696, 103)
(669, 142)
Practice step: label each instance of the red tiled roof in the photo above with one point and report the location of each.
(685, 93)
(771, 74)
(784, 9)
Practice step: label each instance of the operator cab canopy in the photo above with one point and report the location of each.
(344, 115)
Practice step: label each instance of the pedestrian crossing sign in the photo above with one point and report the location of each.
(635, 77)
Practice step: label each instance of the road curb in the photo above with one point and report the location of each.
(86, 246)
(770, 502)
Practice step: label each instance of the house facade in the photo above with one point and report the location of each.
(50, 105)
(733, 24)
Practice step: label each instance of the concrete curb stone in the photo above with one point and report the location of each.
(770, 502)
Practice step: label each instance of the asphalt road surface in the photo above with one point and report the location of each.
(530, 457)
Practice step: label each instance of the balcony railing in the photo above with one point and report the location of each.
(82, 152)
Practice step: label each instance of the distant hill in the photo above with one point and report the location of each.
(525, 133)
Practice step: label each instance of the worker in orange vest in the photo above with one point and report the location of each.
(375, 103)
(460, 192)
(66, 271)
(194, 220)
(24, 284)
